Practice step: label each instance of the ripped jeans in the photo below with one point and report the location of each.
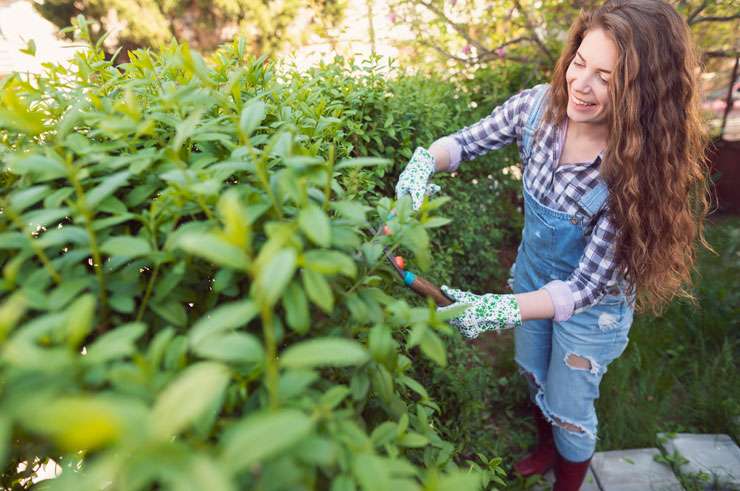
(564, 363)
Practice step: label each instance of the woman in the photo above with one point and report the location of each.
(615, 195)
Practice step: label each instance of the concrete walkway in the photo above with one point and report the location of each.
(710, 462)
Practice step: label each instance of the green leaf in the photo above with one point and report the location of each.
(261, 436)
(336, 352)
(126, 246)
(334, 396)
(296, 308)
(384, 433)
(42, 168)
(295, 382)
(371, 472)
(318, 290)
(362, 162)
(11, 310)
(459, 481)
(66, 291)
(252, 116)
(414, 385)
(434, 348)
(436, 222)
(106, 188)
(122, 303)
(274, 276)
(20, 200)
(381, 344)
(188, 397)
(44, 217)
(213, 249)
(353, 211)
(359, 385)
(223, 318)
(330, 262)
(416, 239)
(236, 347)
(413, 440)
(171, 311)
(80, 317)
(317, 451)
(315, 225)
(78, 422)
(30, 48)
(114, 344)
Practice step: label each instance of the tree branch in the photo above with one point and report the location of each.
(714, 18)
(720, 54)
(533, 32)
(457, 27)
(696, 11)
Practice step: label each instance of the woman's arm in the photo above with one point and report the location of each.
(535, 305)
(441, 154)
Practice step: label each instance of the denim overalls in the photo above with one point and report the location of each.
(552, 245)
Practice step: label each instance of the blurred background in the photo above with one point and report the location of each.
(455, 37)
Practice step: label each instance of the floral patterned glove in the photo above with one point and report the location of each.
(487, 312)
(413, 179)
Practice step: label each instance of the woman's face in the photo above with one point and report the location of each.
(588, 78)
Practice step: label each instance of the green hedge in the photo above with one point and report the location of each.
(203, 232)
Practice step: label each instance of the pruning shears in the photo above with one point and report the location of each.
(418, 284)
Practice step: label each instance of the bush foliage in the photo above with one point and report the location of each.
(193, 294)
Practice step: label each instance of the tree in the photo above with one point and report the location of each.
(467, 34)
(268, 26)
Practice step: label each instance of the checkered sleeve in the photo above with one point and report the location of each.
(496, 130)
(596, 268)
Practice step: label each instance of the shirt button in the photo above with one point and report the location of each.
(573, 220)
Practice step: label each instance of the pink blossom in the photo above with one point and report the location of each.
(466, 49)
(392, 17)
(501, 52)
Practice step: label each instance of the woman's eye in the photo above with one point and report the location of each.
(603, 81)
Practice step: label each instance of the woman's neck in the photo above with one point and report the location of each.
(595, 133)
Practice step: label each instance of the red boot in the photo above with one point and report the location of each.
(543, 457)
(569, 475)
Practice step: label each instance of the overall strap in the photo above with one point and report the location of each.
(594, 200)
(533, 120)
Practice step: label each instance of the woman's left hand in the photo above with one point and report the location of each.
(487, 312)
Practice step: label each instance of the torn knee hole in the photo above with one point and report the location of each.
(568, 426)
(575, 361)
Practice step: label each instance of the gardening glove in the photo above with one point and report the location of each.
(487, 312)
(413, 179)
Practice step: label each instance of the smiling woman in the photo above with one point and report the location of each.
(614, 185)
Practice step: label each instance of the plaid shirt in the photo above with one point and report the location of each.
(557, 187)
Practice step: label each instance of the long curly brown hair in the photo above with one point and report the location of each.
(655, 163)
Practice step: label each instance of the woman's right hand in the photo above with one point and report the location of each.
(414, 178)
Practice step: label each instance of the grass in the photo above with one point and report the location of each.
(678, 374)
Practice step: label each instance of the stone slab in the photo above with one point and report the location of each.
(716, 455)
(633, 470)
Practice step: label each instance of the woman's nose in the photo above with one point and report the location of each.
(582, 84)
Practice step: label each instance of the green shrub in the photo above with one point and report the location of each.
(187, 227)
